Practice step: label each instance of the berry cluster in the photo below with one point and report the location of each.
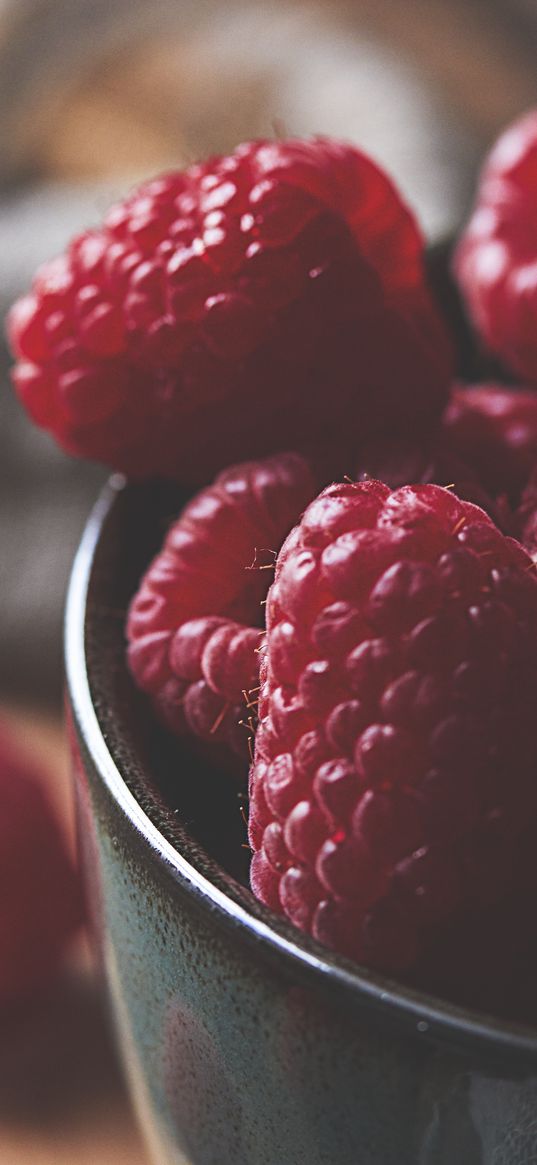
(274, 300)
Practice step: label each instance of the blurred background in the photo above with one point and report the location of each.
(95, 94)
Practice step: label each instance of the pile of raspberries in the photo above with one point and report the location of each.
(348, 606)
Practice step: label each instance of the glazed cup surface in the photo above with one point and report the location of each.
(243, 1042)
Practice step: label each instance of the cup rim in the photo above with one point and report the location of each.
(428, 1017)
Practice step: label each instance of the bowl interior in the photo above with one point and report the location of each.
(169, 780)
(185, 800)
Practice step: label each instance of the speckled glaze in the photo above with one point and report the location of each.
(243, 1042)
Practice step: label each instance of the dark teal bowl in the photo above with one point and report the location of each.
(244, 1042)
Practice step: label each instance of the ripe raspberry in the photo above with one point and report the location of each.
(195, 625)
(496, 258)
(40, 902)
(274, 298)
(403, 460)
(393, 795)
(526, 516)
(494, 430)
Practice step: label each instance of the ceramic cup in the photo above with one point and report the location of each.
(244, 1042)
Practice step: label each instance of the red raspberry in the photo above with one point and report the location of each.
(195, 625)
(526, 516)
(494, 430)
(40, 903)
(274, 298)
(393, 795)
(403, 460)
(496, 258)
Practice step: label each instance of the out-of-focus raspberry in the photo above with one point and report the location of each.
(400, 460)
(494, 430)
(393, 795)
(196, 623)
(496, 258)
(40, 898)
(267, 300)
(526, 516)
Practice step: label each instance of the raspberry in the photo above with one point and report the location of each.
(393, 794)
(195, 625)
(40, 903)
(526, 516)
(494, 430)
(496, 258)
(271, 299)
(404, 460)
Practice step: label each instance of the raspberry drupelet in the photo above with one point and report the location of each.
(271, 299)
(195, 624)
(496, 257)
(393, 794)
